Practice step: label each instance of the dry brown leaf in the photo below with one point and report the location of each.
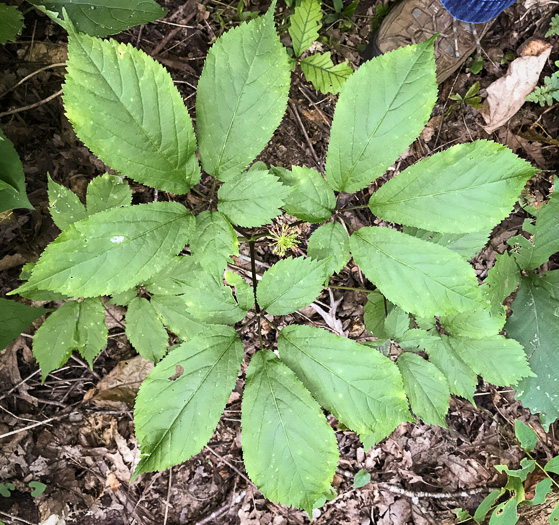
(507, 95)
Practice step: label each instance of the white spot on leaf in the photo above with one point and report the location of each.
(117, 239)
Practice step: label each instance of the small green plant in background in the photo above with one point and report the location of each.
(471, 98)
(553, 27)
(506, 512)
(170, 268)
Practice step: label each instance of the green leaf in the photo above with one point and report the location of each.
(125, 108)
(311, 199)
(465, 189)
(74, 326)
(11, 24)
(369, 133)
(15, 318)
(361, 479)
(64, 205)
(545, 236)
(475, 324)
(505, 513)
(38, 488)
(242, 96)
(12, 178)
(554, 516)
(6, 488)
(419, 276)
(397, 323)
(87, 258)
(527, 467)
(174, 313)
(181, 400)
(543, 488)
(503, 278)
(323, 74)
(304, 24)
(290, 451)
(169, 281)
(290, 284)
(486, 505)
(527, 437)
(243, 291)
(534, 325)
(123, 298)
(252, 199)
(362, 388)
(426, 387)
(145, 331)
(214, 240)
(104, 17)
(376, 310)
(552, 465)
(107, 191)
(330, 241)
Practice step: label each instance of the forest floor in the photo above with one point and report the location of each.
(75, 432)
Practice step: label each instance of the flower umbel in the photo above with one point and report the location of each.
(283, 238)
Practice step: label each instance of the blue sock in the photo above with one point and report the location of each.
(476, 11)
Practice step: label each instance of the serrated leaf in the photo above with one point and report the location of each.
(15, 318)
(376, 310)
(323, 74)
(362, 388)
(304, 24)
(397, 323)
(311, 199)
(243, 291)
(426, 387)
(330, 241)
(86, 260)
(174, 314)
(419, 276)
(107, 191)
(290, 451)
(290, 284)
(74, 326)
(369, 133)
(213, 241)
(503, 277)
(125, 108)
(545, 238)
(465, 189)
(123, 298)
(12, 190)
(252, 198)
(103, 17)
(169, 281)
(534, 325)
(181, 400)
(527, 437)
(11, 23)
(64, 205)
(242, 96)
(145, 331)
(465, 244)
(475, 324)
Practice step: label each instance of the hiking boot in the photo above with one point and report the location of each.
(412, 21)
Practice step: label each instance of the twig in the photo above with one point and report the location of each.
(31, 75)
(216, 514)
(31, 106)
(15, 518)
(231, 466)
(190, 6)
(13, 432)
(295, 113)
(168, 496)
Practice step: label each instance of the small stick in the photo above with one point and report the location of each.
(31, 106)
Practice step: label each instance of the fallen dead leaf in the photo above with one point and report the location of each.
(507, 94)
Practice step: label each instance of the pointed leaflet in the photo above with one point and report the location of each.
(362, 388)
(12, 178)
(252, 199)
(74, 326)
(125, 108)
(465, 189)
(465, 244)
(545, 239)
(330, 241)
(112, 251)
(527, 437)
(104, 17)
(11, 22)
(475, 324)
(323, 74)
(304, 24)
(173, 312)
(426, 387)
(107, 191)
(181, 400)
(311, 199)
(503, 278)
(534, 324)
(420, 277)
(64, 205)
(213, 241)
(15, 318)
(243, 291)
(123, 298)
(372, 127)
(242, 96)
(290, 284)
(376, 310)
(169, 280)
(290, 451)
(145, 331)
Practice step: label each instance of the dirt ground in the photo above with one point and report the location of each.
(74, 433)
